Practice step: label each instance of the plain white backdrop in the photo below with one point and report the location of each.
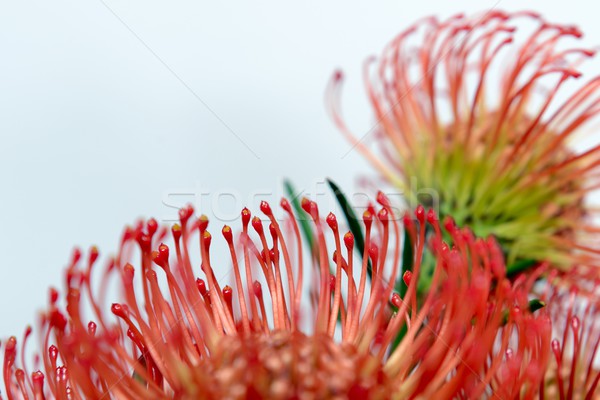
(108, 108)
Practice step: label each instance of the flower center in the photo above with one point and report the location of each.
(287, 364)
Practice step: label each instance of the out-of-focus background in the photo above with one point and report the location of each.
(112, 110)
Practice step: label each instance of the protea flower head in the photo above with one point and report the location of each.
(574, 306)
(479, 111)
(174, 335)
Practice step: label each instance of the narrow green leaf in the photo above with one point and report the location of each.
(407, 264)
(519, 266)
(401, 287)
(352, 220)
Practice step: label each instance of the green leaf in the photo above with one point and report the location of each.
(536, 304)
(352, 220)
(304, 224)
(401, 287)
(519, 266)
(407, 264)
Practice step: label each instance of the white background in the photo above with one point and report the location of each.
(105, 109)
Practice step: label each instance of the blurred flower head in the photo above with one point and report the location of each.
(483, 112)
(172, 334)
(574, 307)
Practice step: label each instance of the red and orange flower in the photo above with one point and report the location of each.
(478, 111)
(496, 152)
(174, 335)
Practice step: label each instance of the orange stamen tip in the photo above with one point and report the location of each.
(258, 289)
(201, 285)
(37, 379)
(93, 254)
(306, 205)
(58, 320)
(185, 214)
(332, 222)
(144, 241)
(406, 277)
(53, 295)
(432, 216)
(266, 208)
(203, 223)
(92, 328)
(246, 215)
(118, 310)
(206, 238)
(349, 240)
(368, 217)
(76, 256)
(555, 346)
(383, 216)
(128, 272)
(310, 207)
(157, 258)
(575, 323)
(396, 300)
(285, 204)
(163, 250)
(257, 225)
(407, 220)
(227, 234)
(420, 214)
(151, 226)
(449, 224)
(53, 353)
(374, 253)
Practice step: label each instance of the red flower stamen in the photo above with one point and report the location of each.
(174, 335)
(470, 109)
(573, 302)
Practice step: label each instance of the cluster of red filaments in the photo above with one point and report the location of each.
(174, 335)
(574, 304)
(478, 109)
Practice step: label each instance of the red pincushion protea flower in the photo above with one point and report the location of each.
(173, 335)
(478, 110)
(574, 305)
